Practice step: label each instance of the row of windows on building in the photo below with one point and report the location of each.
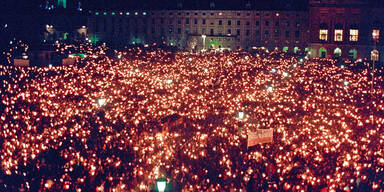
(204, 22)
(338, 35)
(277, 14)
(212, 32)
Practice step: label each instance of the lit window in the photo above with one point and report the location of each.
(376, 34)
(353, 35)
(323, 34)
(338, 35)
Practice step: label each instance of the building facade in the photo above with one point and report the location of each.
(347, 29)
(328, 28)
(199, 29)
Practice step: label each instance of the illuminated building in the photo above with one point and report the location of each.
(231, 29)
(344, 29)
(327, 29)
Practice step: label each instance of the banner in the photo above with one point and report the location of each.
(260, 136)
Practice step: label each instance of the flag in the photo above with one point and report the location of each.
(260, 136)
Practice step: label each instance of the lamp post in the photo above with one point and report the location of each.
(161, 184)
(374, 57)
(204, 36)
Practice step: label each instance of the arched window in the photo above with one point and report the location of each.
(322, 53)
(337, 52)
(295, 49)
(352, 54)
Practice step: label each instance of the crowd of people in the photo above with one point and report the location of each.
(121, 121)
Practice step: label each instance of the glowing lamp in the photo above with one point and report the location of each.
(241, 115)
(161, 184)
(206, 70)
(101, 101)
(137, 70)
(119, 56)
(285, 74)
(169, 81)
(342, 66)
(273, 70)
(189, 59)
(270, 88)
(346, 83)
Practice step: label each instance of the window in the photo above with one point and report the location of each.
(203, 21)
(297, 34)
(220, 22)
(238, 31)
(353, 35)
(238, 22)
(229, 22)
(338, 35)
(229, 32)
(187, 21)
(212, 32)
(247, 32)
(266, 33)
(323, 34)
(248, 23)
(276, 33)
(266, 23)
(257, 23)
(287, 34)
(162, 20)
(170, 29)
(195, 21)
(187, 30)
(178, 30)
(277, 23)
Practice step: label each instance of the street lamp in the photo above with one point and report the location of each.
(374, 56)
(204, 36)
(161, 184)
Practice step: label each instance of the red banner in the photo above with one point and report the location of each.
(260, 136)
